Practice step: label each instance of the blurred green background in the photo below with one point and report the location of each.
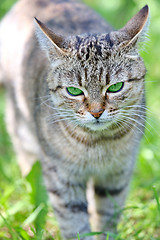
(24, 209)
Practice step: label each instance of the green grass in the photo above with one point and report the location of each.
(24, 209)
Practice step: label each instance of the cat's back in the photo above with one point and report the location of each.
(17, 38)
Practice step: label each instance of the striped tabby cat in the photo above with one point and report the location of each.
(76, 102)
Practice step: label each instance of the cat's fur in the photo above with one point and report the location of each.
(84, 142)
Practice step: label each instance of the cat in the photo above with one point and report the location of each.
(75, 101)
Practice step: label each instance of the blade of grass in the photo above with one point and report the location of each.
(13, 234)
(90, 234)
(34, 215)
(157, 198)
(107, 238)
(38, 196)
(24, 235)
(78, 236)
(97, 233)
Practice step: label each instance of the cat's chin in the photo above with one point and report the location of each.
(97, 126)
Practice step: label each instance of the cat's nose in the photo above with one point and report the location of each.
(96, 113)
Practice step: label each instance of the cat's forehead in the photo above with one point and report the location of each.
(92, 46)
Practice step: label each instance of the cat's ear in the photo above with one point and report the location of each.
(50, 42)
(134, 31)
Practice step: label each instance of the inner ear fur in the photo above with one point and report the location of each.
(135, 28)
(49, 41)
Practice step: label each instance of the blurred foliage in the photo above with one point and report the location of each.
(5, 6)
(39, 197)
(24, 210)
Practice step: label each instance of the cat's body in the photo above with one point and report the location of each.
(90, 137)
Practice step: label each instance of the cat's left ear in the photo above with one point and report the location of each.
(50, 42)
(134, 31)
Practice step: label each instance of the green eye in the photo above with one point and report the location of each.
(74, 91)
(115, 87)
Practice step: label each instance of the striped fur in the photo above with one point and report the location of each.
(87, 144)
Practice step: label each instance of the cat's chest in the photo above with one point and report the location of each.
(97, 157)
(101, 162)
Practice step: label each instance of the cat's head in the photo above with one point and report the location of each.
(96, 80)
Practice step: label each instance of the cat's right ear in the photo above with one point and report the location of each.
(50, 42)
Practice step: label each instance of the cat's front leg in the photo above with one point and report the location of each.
(68, 199)
(106, 209)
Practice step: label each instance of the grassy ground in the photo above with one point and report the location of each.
(24, 214)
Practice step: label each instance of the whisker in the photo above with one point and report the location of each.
(61, 114)
(142, 116)
(139, 106)
(41, 97)
(142, 125)
(137, 111)
(134, 124)
(44, 102)
(126, 123)
(62, 119)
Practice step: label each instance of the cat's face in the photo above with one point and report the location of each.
(96, 86)
(97, 81)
